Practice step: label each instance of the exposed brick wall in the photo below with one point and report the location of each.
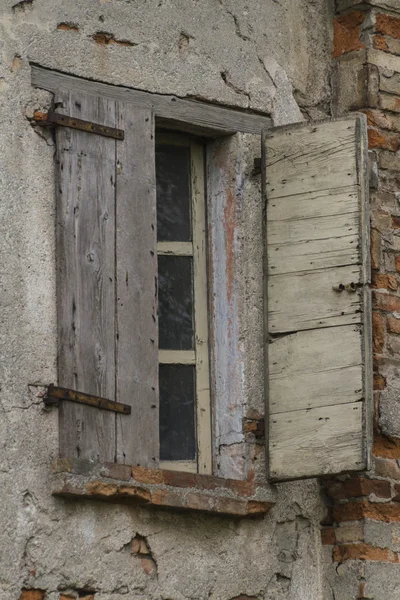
(367, 67)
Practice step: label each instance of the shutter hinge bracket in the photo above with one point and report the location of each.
(52, 119)
(55, 394)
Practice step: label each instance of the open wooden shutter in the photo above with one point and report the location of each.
(106, 280)
(319, 392)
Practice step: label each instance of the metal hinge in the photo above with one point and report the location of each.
(51, 119)
(55, 394)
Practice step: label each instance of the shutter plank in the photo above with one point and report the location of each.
(319, 393)
(307, 300)
(137, 343)
(304, 443)
(302, 245)
(85, 277)
(308, 158)
(301, 376)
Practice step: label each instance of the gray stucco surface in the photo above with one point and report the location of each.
(268, 55)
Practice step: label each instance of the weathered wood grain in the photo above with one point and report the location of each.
(308, 244)
(320, 441)
(306, 372)
(85, 277)
(306, 300)
(310, 205)
(210, 120)
(310, 158)
(319, 339)
(136, 288)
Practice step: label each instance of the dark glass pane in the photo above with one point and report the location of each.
(173, 193)
(175, 303)
(177, 421)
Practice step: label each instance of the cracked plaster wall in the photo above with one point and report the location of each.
(269, 55)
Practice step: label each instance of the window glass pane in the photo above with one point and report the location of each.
(173, 193)
(175, 303)
(177, 420)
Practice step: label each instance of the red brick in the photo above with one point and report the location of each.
(378, 332)
(386, 467)
(362, 551)
(199, 501)
(139, 545)
(379, 382)
(116, 471)
(167, 498)
(351, 511)
(388, 25)
(131, 491)
(377, 118)
(243, 488)
(382, 280)
(100, 488)
(347, 33)
(386, 302)
(151, 476)
(328, 536)
(32, 595)
(389, 102)
(388, 512)
(179, 479)
(148, 565)
(385, 447)
(357, 487)
(382, 140)
(393, 325)
(380, 43)
(395, 222)
(396, 498)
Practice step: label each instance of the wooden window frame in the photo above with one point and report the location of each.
(214, 124)
(199, 357)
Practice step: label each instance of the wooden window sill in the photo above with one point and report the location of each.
(83, 478)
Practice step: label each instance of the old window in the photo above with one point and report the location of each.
(184, 381)
(133, 319)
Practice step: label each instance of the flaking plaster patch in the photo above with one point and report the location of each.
(285, 108)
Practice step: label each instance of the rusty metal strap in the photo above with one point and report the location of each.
(55, 394)
(52, 118)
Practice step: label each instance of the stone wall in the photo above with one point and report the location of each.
(269, 56)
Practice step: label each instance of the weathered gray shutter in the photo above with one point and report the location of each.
(319, 391)
(106, 280)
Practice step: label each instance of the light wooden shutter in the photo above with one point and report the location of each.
(106, 280)
(319, 391)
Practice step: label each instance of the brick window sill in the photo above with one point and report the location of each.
(83, 478)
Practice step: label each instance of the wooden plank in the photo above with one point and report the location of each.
(319, 441)
(210, 120)
(367, 350)
(85, 277)
(200, 285)
(175, 248)
(309, 158)
(306, 300)
(308, 244)
(311, 205)
(136, 288)
(302, 376)
(177, 357)
(319, 351)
